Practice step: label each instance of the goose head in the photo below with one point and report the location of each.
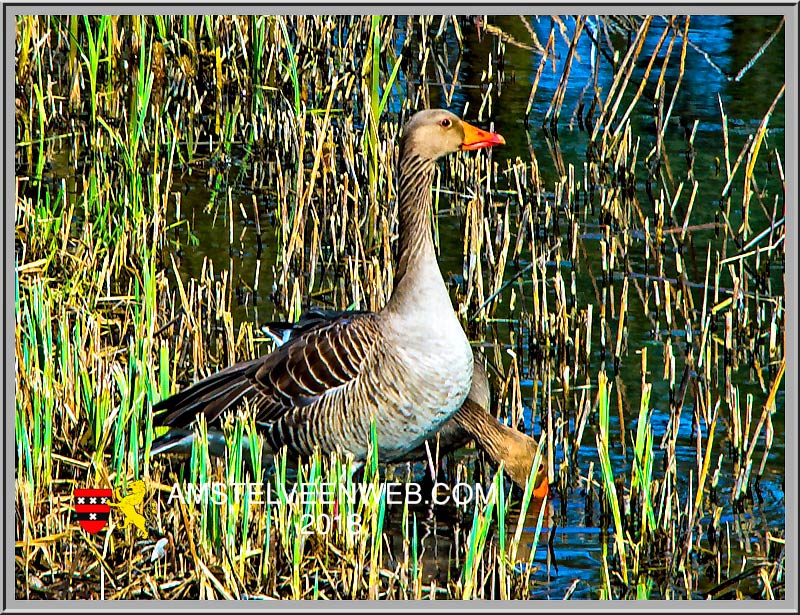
(521, 453)
(433, 133)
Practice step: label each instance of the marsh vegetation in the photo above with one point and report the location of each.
(181, 180)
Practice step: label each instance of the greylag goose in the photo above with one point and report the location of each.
(409, 366)
(471, 421)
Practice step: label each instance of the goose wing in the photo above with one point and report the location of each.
(313, 363)
(281, 331)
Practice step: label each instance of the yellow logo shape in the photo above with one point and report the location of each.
(127, 504)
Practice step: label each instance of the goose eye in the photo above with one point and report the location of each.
(445, 123)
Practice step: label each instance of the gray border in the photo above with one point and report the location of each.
(788, 9)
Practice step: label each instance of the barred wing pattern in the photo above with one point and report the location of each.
(288, 387)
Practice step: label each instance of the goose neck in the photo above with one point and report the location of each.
(416, 257)
(487, 431)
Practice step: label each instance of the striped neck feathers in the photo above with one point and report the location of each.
(415, 237)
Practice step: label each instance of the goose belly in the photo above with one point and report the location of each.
(428, 384)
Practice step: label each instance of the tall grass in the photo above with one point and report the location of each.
(114, 309)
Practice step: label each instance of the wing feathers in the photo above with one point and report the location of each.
(317, 361)
(211, 396)
(341, 357)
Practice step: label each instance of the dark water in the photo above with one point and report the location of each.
(730, 42)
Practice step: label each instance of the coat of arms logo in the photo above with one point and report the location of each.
(93, 507)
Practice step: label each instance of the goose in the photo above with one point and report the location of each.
(408, 366)
(472, 421)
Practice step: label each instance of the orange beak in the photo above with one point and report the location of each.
(541, 487)
(541, 490)
(475, 138)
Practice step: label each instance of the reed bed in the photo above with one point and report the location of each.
(288, 124)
